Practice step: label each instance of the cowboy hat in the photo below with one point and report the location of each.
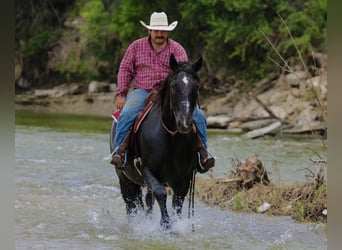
(158, 21)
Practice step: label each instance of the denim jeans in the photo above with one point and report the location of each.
(135, 102)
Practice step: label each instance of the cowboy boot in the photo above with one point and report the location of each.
(206, 160)
(119, 157)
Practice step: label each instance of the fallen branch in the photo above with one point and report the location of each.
(231, 180)
(269, 111)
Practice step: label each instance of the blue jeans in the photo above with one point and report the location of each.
(135, 102)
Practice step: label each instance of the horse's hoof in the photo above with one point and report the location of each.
(166, 225)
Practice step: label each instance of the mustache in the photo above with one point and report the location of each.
(160, 37)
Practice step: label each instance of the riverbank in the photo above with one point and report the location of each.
(249, 189)
(288, 105)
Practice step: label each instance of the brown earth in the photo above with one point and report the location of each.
(248, 189)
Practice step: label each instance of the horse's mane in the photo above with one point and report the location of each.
(164, 84)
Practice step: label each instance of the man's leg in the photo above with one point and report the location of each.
(207, 161)
(135, 102)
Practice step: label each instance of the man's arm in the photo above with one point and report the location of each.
(126, 72)
(179, 52)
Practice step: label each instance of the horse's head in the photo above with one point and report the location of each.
(183, 89)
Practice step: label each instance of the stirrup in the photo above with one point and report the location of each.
(122, 166)
(199, 162)
(209, 161)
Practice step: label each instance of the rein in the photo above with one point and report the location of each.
(191, 207)
(172, 133)
(168, 130)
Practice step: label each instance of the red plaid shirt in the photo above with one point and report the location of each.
(146, 66)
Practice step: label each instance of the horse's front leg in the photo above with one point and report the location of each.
(160, 194)
(149, 199)
(177, 203)
(131, 194)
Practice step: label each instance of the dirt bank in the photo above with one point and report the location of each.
(248, 189)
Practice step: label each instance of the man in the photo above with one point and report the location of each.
(146, 61)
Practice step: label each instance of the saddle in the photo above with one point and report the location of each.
(150, 101)
(141, 116)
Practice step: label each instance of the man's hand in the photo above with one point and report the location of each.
(120, 101)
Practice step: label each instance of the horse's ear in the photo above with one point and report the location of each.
(197, 65)
(173, 62)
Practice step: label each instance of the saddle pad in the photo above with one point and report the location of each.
(142, 116)
(116, 114)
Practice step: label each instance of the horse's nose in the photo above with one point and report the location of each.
(184, 126)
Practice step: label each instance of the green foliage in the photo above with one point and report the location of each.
(39, 36)
(299, 211)
(37, 44)
(232, 33)
(229, 34)
(75, 67)
(239, 203)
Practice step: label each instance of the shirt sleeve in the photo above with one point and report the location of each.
(180, 53)
(126, 71)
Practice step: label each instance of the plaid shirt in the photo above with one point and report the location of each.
(146, 66)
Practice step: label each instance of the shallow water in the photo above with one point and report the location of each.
(67, 197)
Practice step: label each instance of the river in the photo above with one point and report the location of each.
(67, 195)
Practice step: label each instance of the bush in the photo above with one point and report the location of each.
(230, 34)
(231, 31)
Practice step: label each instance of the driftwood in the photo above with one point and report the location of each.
(268, 110)
(249, 172)
(270, 129)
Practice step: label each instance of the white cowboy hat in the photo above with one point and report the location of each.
(158, 21)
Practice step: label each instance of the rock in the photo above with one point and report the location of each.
(252, 125)
(308, 116)
(18, 68)
(264, 207)
(221, 105)
(217, 121)
(61, 90)
(49, 92)
(235, 124)
(325, 212)
(294, 79)
(271, 129)
(112, 87)
(74, 22)
(234, 130)
(23, 83)
(279, 112)
(317, 127)
(98, 87)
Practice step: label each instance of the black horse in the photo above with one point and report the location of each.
(166, 143)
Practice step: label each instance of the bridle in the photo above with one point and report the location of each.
(172, 133)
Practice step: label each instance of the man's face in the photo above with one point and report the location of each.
(159, 36)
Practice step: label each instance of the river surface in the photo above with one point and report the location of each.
(67, 197)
